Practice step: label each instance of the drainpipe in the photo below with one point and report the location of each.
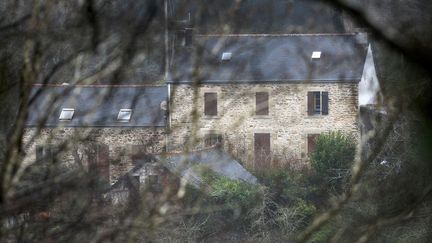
(167, 73)
(166, 40)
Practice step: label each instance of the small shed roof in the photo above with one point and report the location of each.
(215, 159)
(184, 165)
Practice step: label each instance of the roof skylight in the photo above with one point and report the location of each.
(226, 56)
(66, 114)
(316, 55)
(124, 115)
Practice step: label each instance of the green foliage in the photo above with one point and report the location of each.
(233, 194)
(322, 235)
(333, 151)
(286, 185)
(304, 208)
(291, 202)
(280, 183)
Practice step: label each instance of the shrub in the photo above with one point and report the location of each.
(333, 155)
(323, 235)
(290, 203)
(286, 185)
(233, 194)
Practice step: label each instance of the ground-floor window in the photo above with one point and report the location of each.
(213, 139)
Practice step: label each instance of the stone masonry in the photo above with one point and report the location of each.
(288, 122)
(122, 143)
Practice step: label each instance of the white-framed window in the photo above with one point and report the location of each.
(66, 114)
(124, 115)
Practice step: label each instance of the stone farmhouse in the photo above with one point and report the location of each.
(265, 97)
(261, 98)
(114, 124)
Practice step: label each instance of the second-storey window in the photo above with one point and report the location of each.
(262, 103)
(317, 103)
(210, 104)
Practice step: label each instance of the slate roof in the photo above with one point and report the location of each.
(213, 158)
(272, 58)
(97, 106)
(182, 164)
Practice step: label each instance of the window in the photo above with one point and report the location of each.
(154, 183)
(124, 115)
(44, 154)
(45, 163)
(226, 56)
(137, 153)
(311, 142)
(210, 104)
(97, 161)
(317, 103)
(66, 114)
(212, 140)
(316, 55)
(188, 37)
(262, 150)
(262, 103)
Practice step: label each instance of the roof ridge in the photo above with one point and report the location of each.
(100, 85)
(278, 35)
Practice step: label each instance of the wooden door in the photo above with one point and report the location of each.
(103, 162)
(262, 150)
(97, 161)
(311, 142)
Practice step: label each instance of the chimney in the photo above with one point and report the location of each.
(362, 38)
(188, 37)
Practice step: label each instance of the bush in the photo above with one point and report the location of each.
(233, 194)
(279, 208)
(286, 185)
(333, 155)
(291, 202)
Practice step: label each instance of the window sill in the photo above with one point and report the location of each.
(211, 117)
(315, 116)
(262, 117)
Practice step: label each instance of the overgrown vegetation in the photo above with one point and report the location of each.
(333, 157)
(279, 207)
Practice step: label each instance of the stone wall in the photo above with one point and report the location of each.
(287, 122)
(123, 144)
